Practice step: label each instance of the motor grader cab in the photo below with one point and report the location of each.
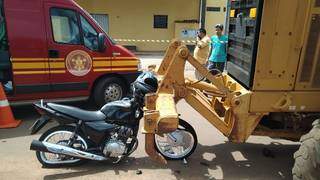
(272, 84)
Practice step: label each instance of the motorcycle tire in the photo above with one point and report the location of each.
(48, 164)
(183, 125)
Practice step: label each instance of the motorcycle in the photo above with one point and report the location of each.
(107, 134)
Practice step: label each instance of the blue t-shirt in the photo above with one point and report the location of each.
(218, 48)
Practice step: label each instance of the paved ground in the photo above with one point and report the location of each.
(214, 158)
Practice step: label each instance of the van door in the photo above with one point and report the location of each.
(27, 49)
(64, 43)
(72, 47)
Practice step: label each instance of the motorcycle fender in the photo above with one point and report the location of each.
(39, 124)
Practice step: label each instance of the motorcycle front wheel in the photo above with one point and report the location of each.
(179, 144)
(60, 135)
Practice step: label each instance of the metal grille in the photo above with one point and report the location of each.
(243, 39)
(311, 49)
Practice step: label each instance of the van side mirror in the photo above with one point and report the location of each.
(101, 42)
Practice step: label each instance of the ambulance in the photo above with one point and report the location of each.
(54, 49)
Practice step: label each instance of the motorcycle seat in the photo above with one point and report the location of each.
(124, 105)
(78, 113)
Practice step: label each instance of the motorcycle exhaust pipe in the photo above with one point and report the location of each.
(63, 150)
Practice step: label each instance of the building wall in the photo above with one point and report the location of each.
(133, 20)
(215, 17)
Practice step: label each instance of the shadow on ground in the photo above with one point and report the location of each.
(221, 161)
(253, 166)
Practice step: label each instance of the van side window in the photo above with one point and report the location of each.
(65, 26)
(90, 35)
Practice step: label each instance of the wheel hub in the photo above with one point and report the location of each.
(176, 144)
(113, 92)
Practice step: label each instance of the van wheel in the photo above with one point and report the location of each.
(108, 90)
(307, 158)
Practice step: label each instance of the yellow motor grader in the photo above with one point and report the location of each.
(272, 84)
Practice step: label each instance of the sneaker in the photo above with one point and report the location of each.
(8, 87)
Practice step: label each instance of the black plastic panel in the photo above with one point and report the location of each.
(309, 58)
(98, 131)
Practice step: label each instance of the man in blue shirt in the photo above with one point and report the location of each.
(218, 55)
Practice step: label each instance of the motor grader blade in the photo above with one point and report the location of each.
(223, 102)
(151, 151)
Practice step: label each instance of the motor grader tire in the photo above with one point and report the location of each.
(307, 158)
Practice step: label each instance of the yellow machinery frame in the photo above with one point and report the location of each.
(285, 80)
(227, 108)
(232, 109)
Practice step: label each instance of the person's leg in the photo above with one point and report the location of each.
(220, 66)
(210, 67)
(215, 68)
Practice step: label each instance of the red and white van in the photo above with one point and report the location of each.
(54, 49)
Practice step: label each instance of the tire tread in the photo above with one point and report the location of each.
(44, 135)
(307, 158)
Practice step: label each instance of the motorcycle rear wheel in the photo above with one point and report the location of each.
(60, 160)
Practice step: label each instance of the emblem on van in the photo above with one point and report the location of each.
(79, 63)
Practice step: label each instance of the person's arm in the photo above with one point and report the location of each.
(211, 48)
(202, 43)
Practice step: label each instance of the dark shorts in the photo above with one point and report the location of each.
(215, 67)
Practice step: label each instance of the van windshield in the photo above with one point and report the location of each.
(90, 35)
(110, 39)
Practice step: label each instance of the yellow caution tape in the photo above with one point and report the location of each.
(151, 40)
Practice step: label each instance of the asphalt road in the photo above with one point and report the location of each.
(214, 158)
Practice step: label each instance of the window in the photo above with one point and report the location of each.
(214, 9)
(103, 21)
(160, 21)
(65, 26)
(90, 35)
